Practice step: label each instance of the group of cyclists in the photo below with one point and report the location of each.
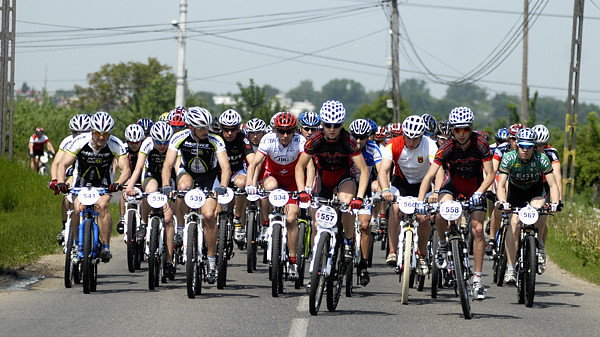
(314, 155)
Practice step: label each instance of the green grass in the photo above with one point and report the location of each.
(30, 216)
(573, 242)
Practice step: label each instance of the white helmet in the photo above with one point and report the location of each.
(272, 121)
(360, 127)
(332, 112)
(161, 132)
(102, 122)
(542, 134)
(134, 133)
(461, 117)
(230, 117)
(80, 123)
(256, 125)
(198, 117)
(413, 126)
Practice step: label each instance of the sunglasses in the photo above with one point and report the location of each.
(285, 131)
(104, 134)
(254, 133)
(332, 125)
(134, 143)
(308, 128)
(360, 137)
(525, 147)
(229, 129)
(462, 130)
(201, 128)
(161, 143)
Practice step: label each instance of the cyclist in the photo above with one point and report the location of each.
(164, 117)
(523, 169)
(255, 130)
(177, 118)
(430, 125)
(134, 134)
(466, 158)
(239, 152)
(395, 130)
(501, 138)
(333, 149)
(148, 169)
(36, 147)
(94, 154)
(78, 124)
(443, 133)
(373, 128)
(410, 156)
(280, 150)
(146, 124)
(310, 122)
(202, 156)
(360, 129)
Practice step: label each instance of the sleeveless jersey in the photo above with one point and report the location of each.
(281, 160)
(525, 175)
(411, 164)
(94, 166)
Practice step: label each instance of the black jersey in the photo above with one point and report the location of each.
(237, 150)
(332, 155)
(198, 156)
(94, 166)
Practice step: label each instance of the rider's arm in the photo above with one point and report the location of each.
(61, 169)
(359, 162)
(311, 173)
(225, 168)
(501, 187)
(54, 167)
(170, 159)
(139, 166)
(124, 168)
(256, 162)
(558, 178)
(50, 147)
(383, 174)
(30, 147)
(300, 166)
(427, 179)
(495, 164)
(554, 190)
(489, 176)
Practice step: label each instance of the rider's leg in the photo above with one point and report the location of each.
(292, 229)
(210, 225)
(365, 235)
(347, 191)
(423, 231)
(477, 219)
(240, 200)
(104, 219)
(393, 228)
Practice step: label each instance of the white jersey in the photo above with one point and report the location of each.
(66, 143)
(281, 160)
(412, 164)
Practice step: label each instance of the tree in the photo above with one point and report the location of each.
(252, 102)
(305, 91)
(468, 94)
(270, 91)
(417, 96)
(379, 111)
(129, 86)
(351, 93)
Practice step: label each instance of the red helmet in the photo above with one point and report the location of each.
(514, 129)
(177, 116)
(381, 133)
(39, 130)
(285, 120)
(395, 129)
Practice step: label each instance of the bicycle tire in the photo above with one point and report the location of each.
(502, 262)
(335, 281)
(251, 228)
(131, 242)
(461, 278)
(191, 255)
(86, 262)
(436, 274)
(153, 262)
(530, 269)
(276, 263)
(221, 252)
(68, 272)
(318, 278)
(371, 246)
(348, 281)
(406, 265)
(383, 240)
(94, 284)
(300, 254)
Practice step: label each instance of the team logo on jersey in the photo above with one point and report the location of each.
(197, 165)
(420, 159)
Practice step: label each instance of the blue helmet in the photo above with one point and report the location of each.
(373, 126)
(146, 124)
(502, 135)
(309, 118)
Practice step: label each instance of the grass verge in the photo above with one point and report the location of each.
(572, 242)
(30, 216)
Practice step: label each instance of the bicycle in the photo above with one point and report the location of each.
(224, 238)
(327, 267)
(303, 243)
(407, 245)
(368, 202)
(526, 266)
(134, 234)
(459, 269)
(71, 273)
(499, 252)
(88, 247)
(252, 231)
(43, 163)
(155, 238)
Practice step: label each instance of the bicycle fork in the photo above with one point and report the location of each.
(332, 242)
(407, 227)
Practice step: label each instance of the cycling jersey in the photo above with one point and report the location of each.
(281, 159)
(411, 165)
(332, 155)
(500, 150)
(38, 143)
(154, 160)
(94, 166)
(525, 174)
(132, 158)
(466, 163)
(237, 150)
(198, 156)
(552, 154)
(66, 143)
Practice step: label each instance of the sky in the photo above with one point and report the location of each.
(281, 43)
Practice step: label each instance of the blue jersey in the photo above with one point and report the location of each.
(372, 153)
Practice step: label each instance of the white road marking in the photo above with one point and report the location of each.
(302, 304)
(298, 327)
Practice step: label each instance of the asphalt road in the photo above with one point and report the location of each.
(123, 306)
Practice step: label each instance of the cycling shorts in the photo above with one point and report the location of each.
(405, 188)
(328, 182)
(518, 197)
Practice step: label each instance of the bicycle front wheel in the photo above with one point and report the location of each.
(221, 252)
(131, 242)
(335, 281)
(251, 229)
(461, 276)
(191, 255)
(406, 264)
(86, 262)
(276, 263)
(300, 254)
(153, 258)
(436, 275)
(530, 269)
(318, 277)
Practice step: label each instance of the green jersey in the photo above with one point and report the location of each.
(525, 175)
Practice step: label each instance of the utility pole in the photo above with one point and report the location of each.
(7, 77)
(524, 113)
(181, 71)
(568, 170)
(395, 63)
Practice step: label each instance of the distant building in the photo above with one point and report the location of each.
(225, 100)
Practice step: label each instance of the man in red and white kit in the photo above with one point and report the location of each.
(36, 147)
(281, 150)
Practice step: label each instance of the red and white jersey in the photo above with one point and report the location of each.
(410, 164)
(38, 141)
(281, 160)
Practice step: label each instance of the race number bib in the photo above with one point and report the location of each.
(326, 217)
(528, 215)
(227, 197)
(278, 198)
(88, 196)
(450, 210)
(407, 204)
(252, 197)
(195, 198)
(156, 199)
